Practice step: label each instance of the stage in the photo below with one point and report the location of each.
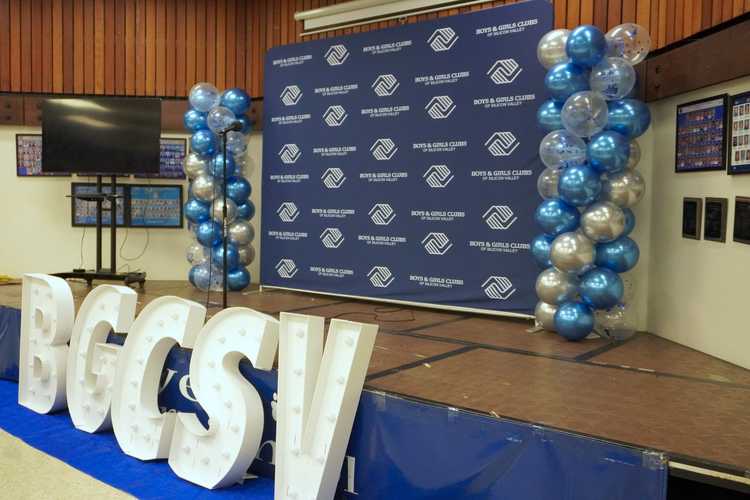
(646, 392)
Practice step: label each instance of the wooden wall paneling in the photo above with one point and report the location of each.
(109, 48)
(678, 20)
(32, 111)
(707, 14)
(200, 42)
(698, 64)
(170, 73)
(218, 42)
(119, 73)
(726, 10)
(179, 48)
(161, 52)
(600, 14)
(172, 111)
(687, 18)
(150, 48)
(230, 44)
(643, 13)
(26, 36)
(629, 11)
(36, 45)
(574, 13)
(139, 45)
(14, 14)
(191, 37)
(46, 12)
(587, 11)
(99, 27)
(4, 44)
(88, 46)
(210, 41)
(68, 57)
(614, 13)
(131, 48)
(560, 9)
(670, 20)
(241, 46)
(11, 109)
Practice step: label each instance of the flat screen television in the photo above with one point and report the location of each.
(101, 135)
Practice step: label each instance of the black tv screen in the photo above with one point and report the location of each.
(101, 135)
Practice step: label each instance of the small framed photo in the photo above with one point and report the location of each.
(741, 233)
(715, 219)
(691, 218)
(701, 135)
(29, 157)
(739, 145)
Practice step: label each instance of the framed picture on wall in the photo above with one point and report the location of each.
(739, 130)
(29, 157)
(83, 212)
(701, 135)
(154, 205)
(172, 152)
(715, 219)
(741, 233)
(691, 218)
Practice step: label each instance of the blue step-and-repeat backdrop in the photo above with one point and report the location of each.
(401, 164)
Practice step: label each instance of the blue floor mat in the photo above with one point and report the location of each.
(99, 456)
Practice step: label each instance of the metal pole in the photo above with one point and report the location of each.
(113, 226)
(99, 209)
(224, 222)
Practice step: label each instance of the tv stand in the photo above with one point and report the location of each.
(101, 273)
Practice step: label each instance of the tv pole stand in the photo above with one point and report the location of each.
(101, 273)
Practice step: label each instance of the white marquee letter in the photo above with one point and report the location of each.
(317, 401)
(141, 430)
(92, 361)
(220, 455)
(47, 313)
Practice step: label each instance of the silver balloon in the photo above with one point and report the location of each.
(236, 142)
(554, 286)
(618, 322)
(247, 254)
(547, 181)
(545, 315)
(551, 48)
(603, 221)
(635, 154)
(572, 253)
(217, 208)
(624, 189)
(194, 165)
(585, 113)
(195, 253)
(204, 187)
(241, 232)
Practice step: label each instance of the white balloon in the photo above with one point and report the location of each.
(562, 148)
(613, 77)
(547, 181)
(585, 113)
(629, 41)
(635, 154)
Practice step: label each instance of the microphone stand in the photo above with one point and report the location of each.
(224, 222)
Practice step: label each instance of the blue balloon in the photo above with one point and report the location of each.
(200, 276)
(629, 221)
(238, 188)
(233, 256)
(540, 247)
(586, 45)
(548, 115)
(204, 142)
(555, 216)
(236, 100)
(247, 123)
(579, 185)
(246, 210)
(216, 166)
(238, 279)
(630, 117)
(197, 211)
(574, 320)
(565, 79)
(620, 255)
(208, 233)
(601, 288)
(195, 120)
(609, 151)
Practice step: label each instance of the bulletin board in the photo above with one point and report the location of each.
(83, 212)
(701, 135)
(739, 153)
(155, 206)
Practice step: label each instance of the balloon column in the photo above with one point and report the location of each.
(590, 182)
(210, 113)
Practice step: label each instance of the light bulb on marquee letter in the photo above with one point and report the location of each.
(317, 401)
(220, 455)
(142, 431)
(47, 313)
(92, 361)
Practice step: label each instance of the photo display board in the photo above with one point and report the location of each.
(29, 156)
(155, 206)
(701, 135)
(401, 164)
(84, 211)
(739, 154)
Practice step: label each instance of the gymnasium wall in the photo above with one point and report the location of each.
(698, 289)
(161, 47)
(37, 235)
